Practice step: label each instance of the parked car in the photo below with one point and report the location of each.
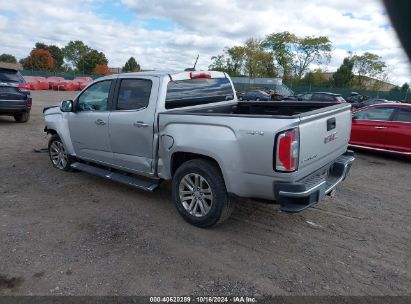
(36, 83)
(321, 97)
(15, 97)
(383, 127)
(369, 102)
(256, 95)
(66, 85)
(356, 97)
(187, 127)
(53, 80)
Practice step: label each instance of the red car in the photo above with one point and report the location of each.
(383, 127)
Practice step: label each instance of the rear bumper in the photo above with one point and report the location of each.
(14, 106)
(295, 197)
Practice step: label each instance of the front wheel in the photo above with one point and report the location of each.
(200, 194)
(58, 155)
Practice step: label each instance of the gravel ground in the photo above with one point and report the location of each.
(77, 234)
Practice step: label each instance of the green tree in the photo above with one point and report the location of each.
(74, 50)
(257, 62)
(315, 78)
(131, 66)
(231, 61)
(8, 58)
(88, 62)
(344, 76)
(405, 87)
(282, 46)
(310, 50)
(367, 66)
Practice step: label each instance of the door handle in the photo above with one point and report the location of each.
(140, 124)
(99, 122)
(380, 127)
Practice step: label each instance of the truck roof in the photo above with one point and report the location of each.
(175, 75)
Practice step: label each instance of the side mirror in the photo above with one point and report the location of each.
(66, 106)
(299, 98)
(354, 117)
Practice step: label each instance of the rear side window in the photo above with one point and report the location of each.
(340, 99)
(306, 96)
(134, 94)
(403, 115)
(323, 97)
(190, 92)
(381, 113)
(11, 76)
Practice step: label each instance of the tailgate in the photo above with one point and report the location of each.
(324, 136)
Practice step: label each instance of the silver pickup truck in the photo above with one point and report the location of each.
(188, 127)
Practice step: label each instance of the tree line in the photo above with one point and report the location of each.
(290, 57)
(76, 56)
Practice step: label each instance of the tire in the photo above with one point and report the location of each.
(22, 117)
(213, 204)
(58, 155)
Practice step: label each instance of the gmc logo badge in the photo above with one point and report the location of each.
(330, 137)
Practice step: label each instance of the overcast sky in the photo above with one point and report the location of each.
(170, 34)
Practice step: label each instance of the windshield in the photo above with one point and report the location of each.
(10, 76)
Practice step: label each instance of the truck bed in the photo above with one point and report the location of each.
(281, 109)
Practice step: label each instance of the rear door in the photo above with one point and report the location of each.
(132, 123)
(369, 127)
(399, 131)
(89, 124)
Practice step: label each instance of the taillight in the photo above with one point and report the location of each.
(286, 158)
(194, 75)
(29, 103)
(24, 87)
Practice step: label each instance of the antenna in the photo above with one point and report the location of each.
(194, 67)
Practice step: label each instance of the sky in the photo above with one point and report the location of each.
(164, 34)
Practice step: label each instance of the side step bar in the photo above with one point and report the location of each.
(118, 177)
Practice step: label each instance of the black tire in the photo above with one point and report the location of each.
(65, 166)
(22, 117)
(222, 205)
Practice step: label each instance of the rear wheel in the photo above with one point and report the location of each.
(58, 155)
(200, 194)
(22, 117)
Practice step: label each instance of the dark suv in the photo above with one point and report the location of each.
(15, 98)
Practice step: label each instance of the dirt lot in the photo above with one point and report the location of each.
(77, 234)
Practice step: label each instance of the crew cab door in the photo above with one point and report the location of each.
(369, 127)
(89, 124)
(132, 123)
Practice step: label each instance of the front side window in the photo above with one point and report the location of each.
(381, 113)
(95, 98)
(134, 94)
